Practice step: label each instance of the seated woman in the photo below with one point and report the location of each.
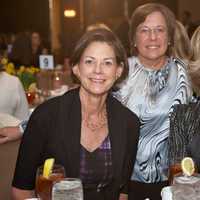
(13, 99)
(184, 139)
(86, 130)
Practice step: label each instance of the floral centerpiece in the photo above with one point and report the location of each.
(27, 75)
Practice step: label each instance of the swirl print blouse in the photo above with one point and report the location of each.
(151, 94)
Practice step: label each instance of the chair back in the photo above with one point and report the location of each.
(8, 156)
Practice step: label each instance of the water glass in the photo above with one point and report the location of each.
(67, 189)
(44, 185)
(166, 193)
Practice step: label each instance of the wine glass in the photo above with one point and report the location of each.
(44, 185)
(68, 189)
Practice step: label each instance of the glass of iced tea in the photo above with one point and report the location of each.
(30, 97)
(44, 185)
(174, 169)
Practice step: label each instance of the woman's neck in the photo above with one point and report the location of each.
(92, 105)
(154, 63)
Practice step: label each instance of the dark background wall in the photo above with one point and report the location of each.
(172, 4)
(24, 15)
(28, 15)
(20, 15)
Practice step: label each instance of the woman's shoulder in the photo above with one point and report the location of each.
(122, 110)
(8, 77)
(59, 103)
(10, 80)
(180, 63)
(185, 107)
(187, 111)
(132, 61)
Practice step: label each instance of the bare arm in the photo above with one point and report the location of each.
(8, 134)
(18, 194)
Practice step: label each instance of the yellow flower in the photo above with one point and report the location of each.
(22, 69)
(10, 68)
(29, 70)
(34, 70)
(26, 75)
(4, 61)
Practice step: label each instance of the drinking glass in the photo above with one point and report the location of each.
(68, 189)
(30, 97)
(166, 193)
(44, 185)
(57, 79)
(175, 168)
(186, 187)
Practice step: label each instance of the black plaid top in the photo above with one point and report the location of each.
(96, 166)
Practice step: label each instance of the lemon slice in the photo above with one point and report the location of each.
(48, 166)
(32, 87)
(187, 165)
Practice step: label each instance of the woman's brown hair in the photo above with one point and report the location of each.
(102, 35)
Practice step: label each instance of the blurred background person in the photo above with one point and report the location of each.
(182, 47)
(99, 143)
(96, 26)
(3, 44)
(156, 82)
(27, 48)
(195, 45)
(21, 50)
(13, 99)
(195, 59)
(37, 48)
(184, 137)
(10, 40)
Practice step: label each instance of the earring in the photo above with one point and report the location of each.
(169, 43)
(135, 45)
(117, 76)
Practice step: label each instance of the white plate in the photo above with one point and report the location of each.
(8, 120)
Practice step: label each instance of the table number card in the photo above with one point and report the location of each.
(46, 62)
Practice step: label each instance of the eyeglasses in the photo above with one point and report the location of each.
(147, 31)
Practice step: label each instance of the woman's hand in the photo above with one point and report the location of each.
(123, 197)
(8, 134)
(18, 194)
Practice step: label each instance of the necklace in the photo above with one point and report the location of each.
(95, 124)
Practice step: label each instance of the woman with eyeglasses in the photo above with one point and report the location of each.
(155, 83)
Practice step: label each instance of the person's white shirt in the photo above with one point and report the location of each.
(12, 97)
